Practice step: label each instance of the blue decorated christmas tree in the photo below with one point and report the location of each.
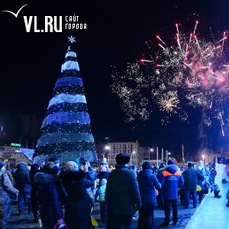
(66, 129)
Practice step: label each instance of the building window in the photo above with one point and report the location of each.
(128, 151)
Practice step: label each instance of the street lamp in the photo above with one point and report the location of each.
(107, 147)
(151, 150)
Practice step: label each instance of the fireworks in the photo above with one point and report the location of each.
(190, 72)
(168, 102)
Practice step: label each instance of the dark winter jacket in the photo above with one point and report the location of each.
(191, 176)
(22, 179)
(147, 181)
(6, 188)
(103, 175)
(171, 180)
(122, 192)
(77, 206)
(49, 198)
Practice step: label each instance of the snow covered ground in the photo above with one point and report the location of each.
(213, 212)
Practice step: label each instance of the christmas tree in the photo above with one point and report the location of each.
(66, 129)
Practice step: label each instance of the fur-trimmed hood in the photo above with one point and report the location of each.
(44, 178)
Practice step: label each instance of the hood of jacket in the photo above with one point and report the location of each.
(22, 167)
(171, 168)
(145, 174)
(44, 178)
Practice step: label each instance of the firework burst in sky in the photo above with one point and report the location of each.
(190, 72)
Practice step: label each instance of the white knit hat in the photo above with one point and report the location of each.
(71, 166)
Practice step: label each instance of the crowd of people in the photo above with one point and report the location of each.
(63, 197)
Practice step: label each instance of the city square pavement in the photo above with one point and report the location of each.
(211, 213)
(26, 220)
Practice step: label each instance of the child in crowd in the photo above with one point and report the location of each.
(101, 195)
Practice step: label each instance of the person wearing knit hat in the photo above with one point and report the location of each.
(6, 188)
(71, 166)
(122, 194)
(55, 160)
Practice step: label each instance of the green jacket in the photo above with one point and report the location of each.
(102, 193)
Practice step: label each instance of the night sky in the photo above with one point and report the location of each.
(116, 34)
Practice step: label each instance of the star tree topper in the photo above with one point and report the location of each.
(71, 39)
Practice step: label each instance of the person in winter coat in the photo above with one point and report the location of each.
(103, 205)
(34, 189)
(171, 180)
(23, 184)
(160, 198)
(77, 208)
(191, 176)
(6, 188)
(147, 183)
(49, 191)
(122, 194)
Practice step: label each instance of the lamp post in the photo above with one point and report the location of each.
(162, 155)
(107, 148)
(167, 157)
(133, 153)
(203, 156)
